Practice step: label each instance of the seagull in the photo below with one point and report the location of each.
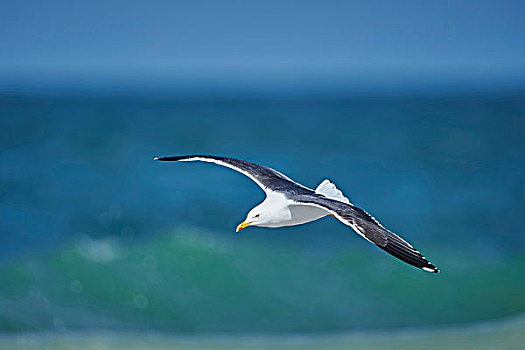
(289, 203)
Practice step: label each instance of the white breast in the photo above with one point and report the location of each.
(278, 211)
(302, 214)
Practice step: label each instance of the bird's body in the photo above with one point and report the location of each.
(301, 214)
(281, 211)
(288, 203)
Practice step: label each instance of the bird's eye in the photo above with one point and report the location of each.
(257, 215)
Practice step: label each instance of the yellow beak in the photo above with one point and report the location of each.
(242, 225)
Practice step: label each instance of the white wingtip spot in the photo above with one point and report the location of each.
(428, 269)
(156, 158)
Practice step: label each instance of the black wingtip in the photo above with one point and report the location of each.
(168, 159)
(402, 250)
(429, 267)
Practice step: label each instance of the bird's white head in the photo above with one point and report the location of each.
(254, 218)
(270, 213)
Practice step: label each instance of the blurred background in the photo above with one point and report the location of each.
(415, 109)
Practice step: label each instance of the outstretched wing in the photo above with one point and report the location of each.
(368, 227)
(267, 178)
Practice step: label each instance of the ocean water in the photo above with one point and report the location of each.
(95, 235)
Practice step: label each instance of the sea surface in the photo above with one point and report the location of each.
(96, 236)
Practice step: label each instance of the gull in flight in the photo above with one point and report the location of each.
(288, 203)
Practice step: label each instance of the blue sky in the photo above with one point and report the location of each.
(265, 43)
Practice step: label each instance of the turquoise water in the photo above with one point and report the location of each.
(507, 335)
(95, 235)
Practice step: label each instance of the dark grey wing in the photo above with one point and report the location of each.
(267, 178)
(368, 227)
